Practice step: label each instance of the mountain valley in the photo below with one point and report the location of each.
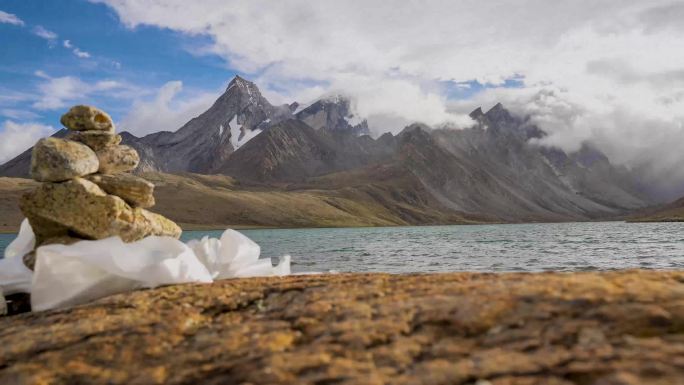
(246, 162)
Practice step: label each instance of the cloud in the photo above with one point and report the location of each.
(607, 72)
(664, 16)
(8, 18)
(82, 54)
(167, 111)
(15, 138)
(43, 33)
(18, 114)
(59, 92)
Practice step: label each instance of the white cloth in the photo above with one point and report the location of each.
(235, 255)
(15, 277)
(68, 275)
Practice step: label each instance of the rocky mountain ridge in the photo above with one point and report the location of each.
(490, 169)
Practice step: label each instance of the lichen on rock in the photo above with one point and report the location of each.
(86, 210)
(135, 190)
(87, 118)
(117, 159)
(96, 140)
(99, 205)
(57, 160)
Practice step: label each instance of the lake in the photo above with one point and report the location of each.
(510, 247)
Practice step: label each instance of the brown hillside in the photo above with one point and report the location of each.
(216, 201)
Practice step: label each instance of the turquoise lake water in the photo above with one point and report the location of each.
(517, 247)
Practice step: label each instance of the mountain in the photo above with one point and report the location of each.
(216, 202)
(497, 172)
(333, 113)
(202, 144)
(292, 151)
(491, 171)
(671, 212)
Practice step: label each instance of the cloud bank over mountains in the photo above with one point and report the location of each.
(165, 111)
(609, 72)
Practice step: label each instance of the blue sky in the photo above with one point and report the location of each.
(118, 64)
(56, 54)
(607, 72)
(60, 53)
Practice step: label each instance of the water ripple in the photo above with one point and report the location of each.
(519, 247)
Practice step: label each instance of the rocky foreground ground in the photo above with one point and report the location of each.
(583, 328)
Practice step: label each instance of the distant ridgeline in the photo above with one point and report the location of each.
(489, 170)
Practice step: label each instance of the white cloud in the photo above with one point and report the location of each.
(609, 72)
(59, 92)
(17, 137)
(18, 114)
(41, 32)
(41, 74)
(81, 54)
(354, 46)
(78, 52)
(8, 18)
(166, 111)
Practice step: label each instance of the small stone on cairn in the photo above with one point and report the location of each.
(87, 190)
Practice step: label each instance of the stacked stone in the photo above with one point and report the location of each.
(87, 190)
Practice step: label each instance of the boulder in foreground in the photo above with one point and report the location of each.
(501, 329)
(57, 160)
(135, 190)
(117, 159)
(97, 140)
(83, 208)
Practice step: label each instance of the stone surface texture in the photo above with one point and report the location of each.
(135, 190)
(97, 140)
(85, 209)
(104, 205)
(57, 160)
(87, 118)
(117, 159)
(612, 328)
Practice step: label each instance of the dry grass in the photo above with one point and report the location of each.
(217, 201)
(673, 212)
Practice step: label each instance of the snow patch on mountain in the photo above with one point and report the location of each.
(240, 136)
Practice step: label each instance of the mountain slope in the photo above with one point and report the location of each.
(202, 144)
(492, 170)
(671, 212)
(216, 201)
(334, 114)
(292, 151)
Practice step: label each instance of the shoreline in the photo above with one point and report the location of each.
(507, 328)
(200, 227)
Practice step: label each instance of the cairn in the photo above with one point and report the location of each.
(87, 190)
